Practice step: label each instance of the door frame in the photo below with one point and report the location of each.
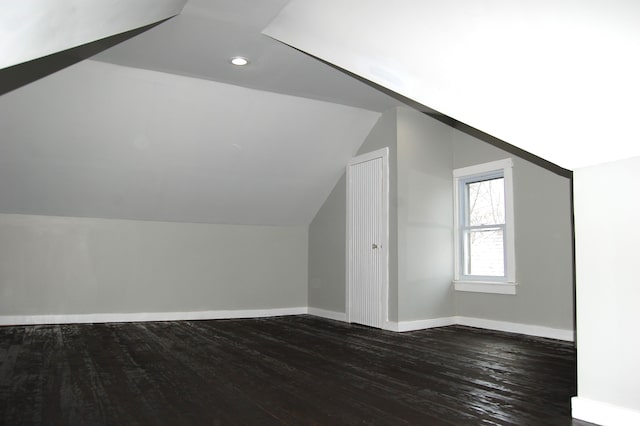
(384, 244)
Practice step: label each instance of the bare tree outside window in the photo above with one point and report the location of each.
(484, 234)
(484, 228)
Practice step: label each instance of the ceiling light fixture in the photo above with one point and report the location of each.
(239, 61)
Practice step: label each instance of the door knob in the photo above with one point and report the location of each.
(374, 246)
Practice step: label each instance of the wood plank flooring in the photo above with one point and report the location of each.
(295, 370)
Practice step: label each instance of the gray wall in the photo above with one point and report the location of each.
(425, 217)
(423, 154)
(327, 231)
(607, 208)
(327, 252)
(62, 265)
(544, 258)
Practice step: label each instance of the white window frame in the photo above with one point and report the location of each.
(483, 284)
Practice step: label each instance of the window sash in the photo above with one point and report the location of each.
(466, 255)
(479, 173)
(469, 210)
(465, 228)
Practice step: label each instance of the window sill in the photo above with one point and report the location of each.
(485, 287)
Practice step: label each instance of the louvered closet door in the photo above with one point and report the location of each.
(365, 207)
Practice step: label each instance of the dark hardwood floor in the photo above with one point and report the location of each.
(287, 370)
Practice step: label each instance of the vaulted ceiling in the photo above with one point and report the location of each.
(162, 127)
(30, 29)
(557, 78)
(201, 40)
(99, 140)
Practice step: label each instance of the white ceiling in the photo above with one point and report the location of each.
(162, 127)
(557, 78)
(30, 29)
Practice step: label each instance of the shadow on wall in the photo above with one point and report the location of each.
(14, 77)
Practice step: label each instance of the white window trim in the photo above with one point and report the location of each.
(506, 285)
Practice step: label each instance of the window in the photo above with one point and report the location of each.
(484, 240)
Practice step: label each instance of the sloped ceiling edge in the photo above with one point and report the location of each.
(555, 78)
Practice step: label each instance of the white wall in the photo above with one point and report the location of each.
(62, 265)
(607, 210)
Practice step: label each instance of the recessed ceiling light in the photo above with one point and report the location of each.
(239, 61)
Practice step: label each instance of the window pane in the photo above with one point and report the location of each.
(485, 201)
(485, 252)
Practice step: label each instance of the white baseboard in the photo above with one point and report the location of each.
(147, 316)
(603, 413)
(403, 326)
(389, 325)
(338, 316)
(512, 327)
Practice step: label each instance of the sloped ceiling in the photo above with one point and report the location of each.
(101, 140)
(162, 127)
(557, 78)
(201, 40)
(30, 29)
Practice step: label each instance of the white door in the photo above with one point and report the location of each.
(367, 238)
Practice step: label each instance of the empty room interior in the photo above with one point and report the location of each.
(319, 212)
